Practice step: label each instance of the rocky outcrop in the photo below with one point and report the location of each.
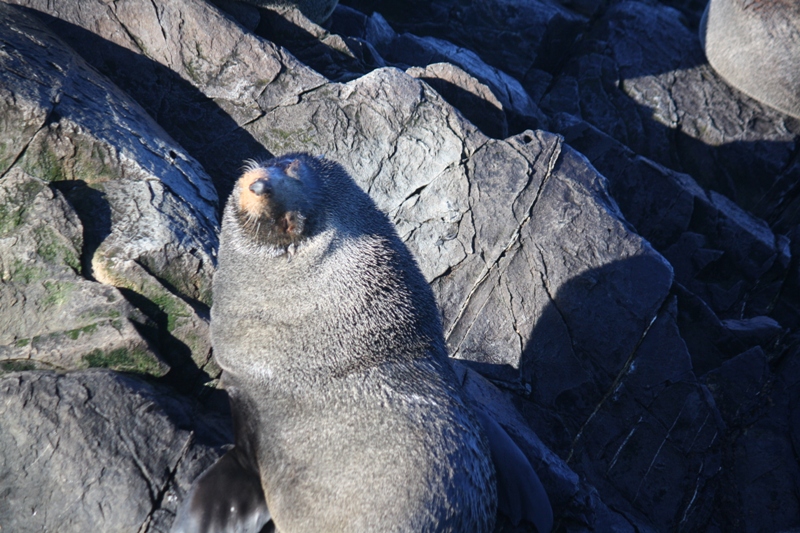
(609, 228)
(97, 450)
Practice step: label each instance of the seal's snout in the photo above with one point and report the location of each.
(262, 187)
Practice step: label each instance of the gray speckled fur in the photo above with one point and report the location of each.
(755, 46)
(316, 10)
(337, 350)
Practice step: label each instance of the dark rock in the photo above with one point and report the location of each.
(720, 252)
(522, 113)
(640, 76)
(337, 57)
(94, 450)
(514, 36)
(760, 477)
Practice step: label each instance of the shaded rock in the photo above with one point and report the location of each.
(466, 94)
(355, 50)
(514, 36)
(337, 57)
(522, 112)
(723, 254)
(757, 402)
(569, 495)
(640, 76)
(316, 10)
(92, 450)
(247, 15)
(52, 316)
(756, 331)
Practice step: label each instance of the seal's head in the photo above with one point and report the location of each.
(278, 201)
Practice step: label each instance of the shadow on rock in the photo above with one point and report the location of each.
(94, 213)
(194, 120)
(640, 76)
(665, 446)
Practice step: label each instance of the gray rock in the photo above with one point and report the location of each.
(515, 36)
(338, 56)
(316, 10)
(92, 450)
(640, 76)
(51, 316)
(148, 210)
(467, 94)
(192, 68)
(758, 402)
(719, 251)
(522, 113)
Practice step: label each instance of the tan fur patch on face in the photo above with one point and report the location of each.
(250, 202)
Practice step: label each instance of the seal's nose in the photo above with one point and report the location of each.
(261, 187)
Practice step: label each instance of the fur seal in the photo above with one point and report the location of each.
(317, 11)
(754, 45)
(346, 407)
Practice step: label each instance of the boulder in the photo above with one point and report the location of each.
(640, 76)
(95, 450)
(99, 193)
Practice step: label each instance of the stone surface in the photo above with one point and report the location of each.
(619, 278)
(144, 211)
(95, 450)
(640, 76)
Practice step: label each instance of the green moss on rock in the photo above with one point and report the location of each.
(123, 360)
(16, 365)
(74, 334)
(57, 292)
(51, 250)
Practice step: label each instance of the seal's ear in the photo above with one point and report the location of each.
(226, 498)
(293, 168)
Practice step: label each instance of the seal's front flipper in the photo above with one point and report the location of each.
(226, 498)
(520, 494)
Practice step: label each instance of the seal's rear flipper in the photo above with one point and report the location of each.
(520, 494)
(226, 498)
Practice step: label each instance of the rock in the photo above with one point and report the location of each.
(757, 401)
(339, 57)
(515, 36)
(522, 113)
(148, 210)
(719, 251)
(316, 10)
(568, 494)
(467, 94)
(640, 76)
(221, 78)
(52, 316)
(94, 450)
